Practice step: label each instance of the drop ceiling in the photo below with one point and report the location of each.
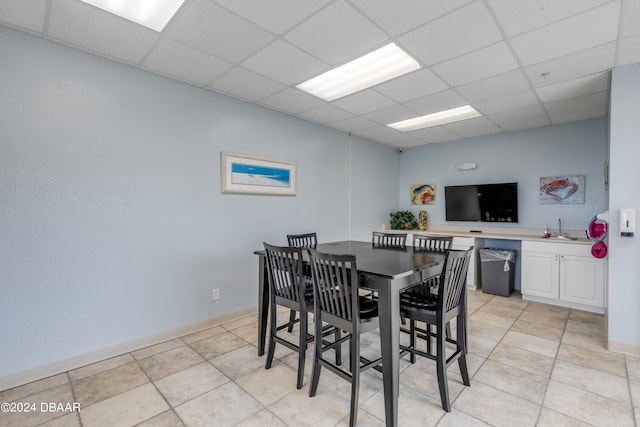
(521, 63)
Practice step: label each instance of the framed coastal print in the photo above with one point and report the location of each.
(423, 194)
(244, 174)
(562, 189)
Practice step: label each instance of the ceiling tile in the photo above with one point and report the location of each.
(23, 14)
(590, 29)
(519, 114)
(572, 88)
(95, 30)
(276, 61)
(185, 63)
(597, 99)
(325, 113)
(390, 114)
(518, 16)
(473, 127)
(276, 16)
(572, 66)
(630, 15)
(245, 84)
(523, 99)
(353, 124)
(525, 123)
(346, 34)
(457, 33)
(375, 132)
(215, 30)
(411, 86)
(364, 102)
(629, 51)
(436, 102)
(397, 17)
(494, 87)
(585, 114)
(478, 65)
(291, 101)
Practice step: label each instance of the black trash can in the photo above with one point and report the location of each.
(497, 270)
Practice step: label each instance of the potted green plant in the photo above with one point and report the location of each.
(403, 220)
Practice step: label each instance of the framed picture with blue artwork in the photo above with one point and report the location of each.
(244, 174)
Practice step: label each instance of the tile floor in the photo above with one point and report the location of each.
(531, 364)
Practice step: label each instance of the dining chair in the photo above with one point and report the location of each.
(432, 243)
(338, 303)
(448, 305)
(395, 240)
(306, 240)
(288, 288)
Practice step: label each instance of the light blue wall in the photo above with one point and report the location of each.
(624, 252)
(523, 156)
(112, 223)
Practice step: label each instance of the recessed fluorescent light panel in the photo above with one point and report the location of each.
(369, 70)
(154, 14)
(435, 119)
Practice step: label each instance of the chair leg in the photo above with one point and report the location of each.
(441, 362)
(302, 348)
(461, 338)
(412, 340)
(292, 319)
(337, 336)
(315, 373)
(272, 341)
(354, 361)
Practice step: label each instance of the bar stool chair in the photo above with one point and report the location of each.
(337, 302)
(287, 288)
(396, 240)
(306, 240)
(448, 305)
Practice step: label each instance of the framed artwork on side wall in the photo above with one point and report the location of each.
(244, 174)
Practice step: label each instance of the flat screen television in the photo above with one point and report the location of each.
(483, 202)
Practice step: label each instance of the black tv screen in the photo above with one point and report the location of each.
(484, 202)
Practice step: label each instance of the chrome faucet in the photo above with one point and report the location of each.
(559, 227)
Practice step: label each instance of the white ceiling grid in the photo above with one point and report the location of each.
(521, 63)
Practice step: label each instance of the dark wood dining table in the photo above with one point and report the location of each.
(386, 270)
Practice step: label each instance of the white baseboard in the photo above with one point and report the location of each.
(44, 371)
(620, 347)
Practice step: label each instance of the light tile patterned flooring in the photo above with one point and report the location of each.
(531, 364)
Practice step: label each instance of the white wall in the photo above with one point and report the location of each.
(112, 223)
(524, 156)
(624, 252)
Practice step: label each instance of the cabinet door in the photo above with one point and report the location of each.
(540, 275)
(582, 280)
(464, 243)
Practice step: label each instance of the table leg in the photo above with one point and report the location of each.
(389, 312)
(263, 303)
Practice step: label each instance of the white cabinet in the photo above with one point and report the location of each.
(563, 274)
(465, 243)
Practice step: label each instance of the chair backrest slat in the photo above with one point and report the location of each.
(396, 240)
(285, 271)
(335, 284)
(454, 278)
(307, 240)
(432, 243)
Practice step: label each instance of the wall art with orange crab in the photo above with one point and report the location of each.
(423, 194)
(562, 189)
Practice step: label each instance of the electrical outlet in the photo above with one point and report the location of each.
(216, 294)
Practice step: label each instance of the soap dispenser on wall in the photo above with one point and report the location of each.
(627, 222)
